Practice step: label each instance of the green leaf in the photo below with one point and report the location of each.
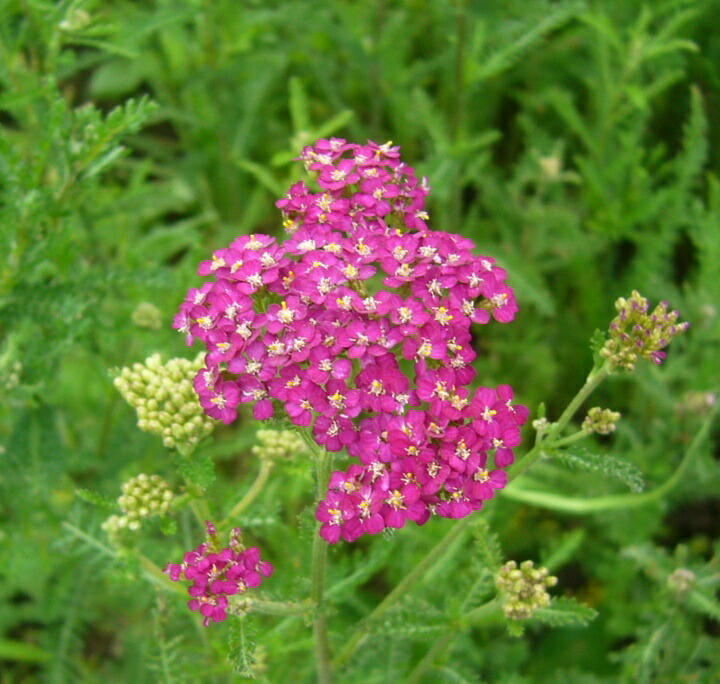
(515, 628)
(168, 526)
(198, 469)
(597, 342)
(20, 651)
(96, 498)
(605, 464)
(299, 108)
(506, 57)
(565, 611)
(263, 176)
(488, 545)
(690, 162)
(242, 649)
(704, 604)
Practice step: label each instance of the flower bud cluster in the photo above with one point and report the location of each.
(359, 327)
(142, 496)
(218, 573)
(524, 588)
(600, 421)
(10, 375)
(147, 315)
(682, 580)
(636, 334)
(278, 444)
(165, 400)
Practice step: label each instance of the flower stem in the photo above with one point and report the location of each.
(431, 656)
(407, 583)
(550, 438)
(579, 506)
(266, 467)
(318, 575)
(484, 613)
(595, 377)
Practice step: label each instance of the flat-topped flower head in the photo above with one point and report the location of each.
(359, 325)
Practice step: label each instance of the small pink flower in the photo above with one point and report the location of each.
(217, 575)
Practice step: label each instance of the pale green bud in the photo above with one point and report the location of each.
(601, 421)
(524, 588)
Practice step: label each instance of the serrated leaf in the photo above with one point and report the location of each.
(605, 464)
(198, 469)
(690, 162)
(704, 604)
(597, 342)
(168, 526)
(242, 649)
(105, 161)
(565, 611)
(515, 628)
(510, 54)
(96, 498)
(488, 545)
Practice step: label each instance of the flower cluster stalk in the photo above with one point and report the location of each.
(256, 488)
(435, 555)
(552, 436)
(319, 576)
(579, 506)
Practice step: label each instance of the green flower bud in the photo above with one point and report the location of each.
(147, 315)
(600, 421)
(681, 580)
(275, 444)
(524, 588)
(164, 396)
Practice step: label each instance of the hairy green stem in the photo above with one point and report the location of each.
(198, 503)
(569, 504)
(318, 575)
(570, 439)
(550, 438)
(596, 376)
(484, 613)
(266, 466)
(407, 583)
(431, 656)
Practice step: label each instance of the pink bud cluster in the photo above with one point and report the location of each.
(218, 573)
(359, 327)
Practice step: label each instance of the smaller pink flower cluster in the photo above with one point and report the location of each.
(218, 573)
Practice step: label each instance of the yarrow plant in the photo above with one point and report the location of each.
(358, 328)
(356, 331)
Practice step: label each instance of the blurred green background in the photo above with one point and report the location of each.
(576, 142)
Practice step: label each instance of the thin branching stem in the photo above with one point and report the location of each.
(408, 582)
(263, 475)
(580, 506)
(319, 574)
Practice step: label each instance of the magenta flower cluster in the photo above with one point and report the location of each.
(359, 326)
(218, 573)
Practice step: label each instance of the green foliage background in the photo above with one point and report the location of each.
(576, 142)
